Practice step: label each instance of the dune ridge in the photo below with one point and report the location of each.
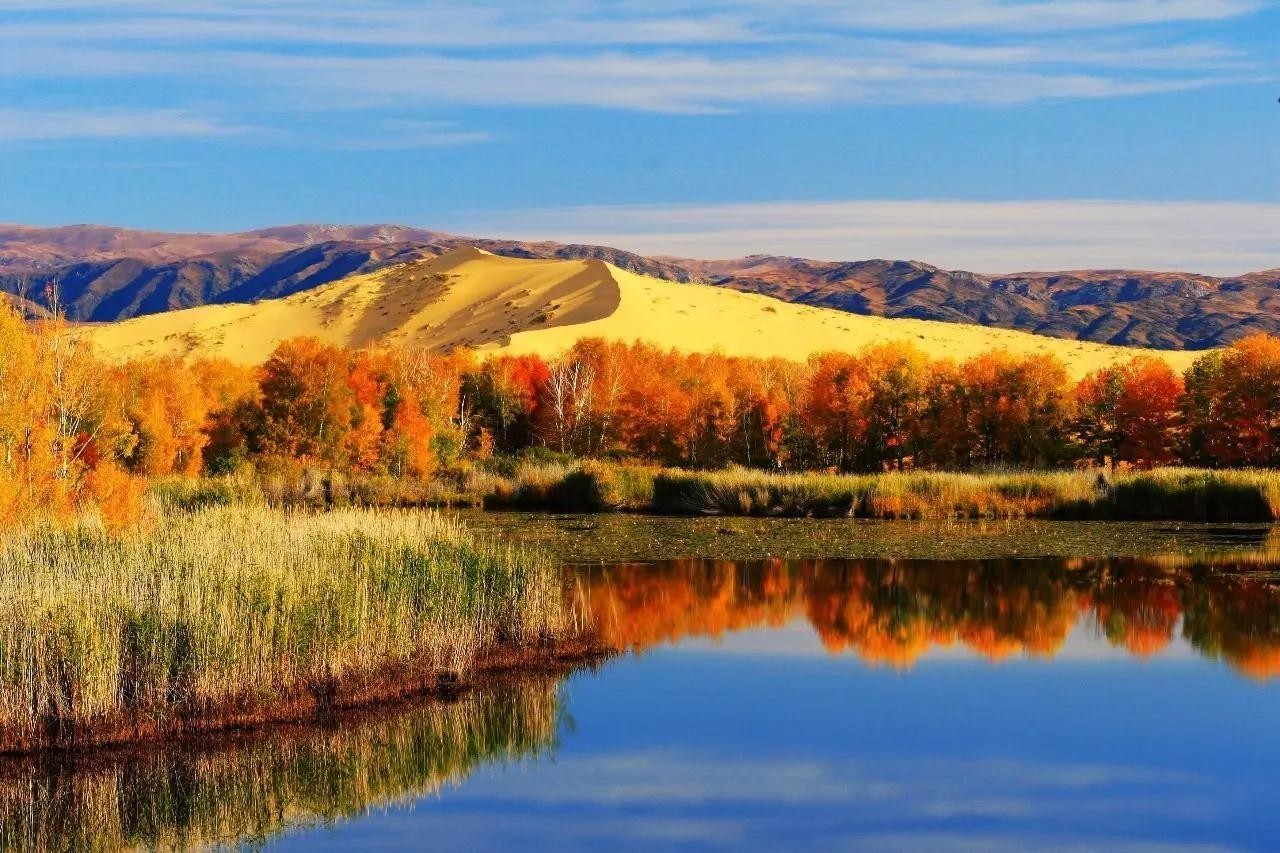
(471, 298)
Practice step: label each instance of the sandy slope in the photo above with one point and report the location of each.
(471, 298)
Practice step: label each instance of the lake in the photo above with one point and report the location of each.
(1053, 701)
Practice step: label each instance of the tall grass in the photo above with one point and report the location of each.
(188, 796)
(590, 486)
(1181, 494)
(897, 495)
(1171, 494)
(1190, 494)
(235, 613)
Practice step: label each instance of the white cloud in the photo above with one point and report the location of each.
(1036, 15)
(667, 82)
(667, 20)
(402, 134)
(1209, 237)
(32, 125)
(679, 57)
(907, 790)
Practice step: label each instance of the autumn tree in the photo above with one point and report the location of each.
(505, 392)
(232, 399)
(22, 404)
(772, 391)
(305, 412)
(567, 402)
(1232, 405)
(1130, 412)
(835, 408)
(168, 407)
(1001, 409)
(896, 376)
(431, 416)
(653, 408)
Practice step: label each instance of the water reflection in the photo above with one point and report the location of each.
(250, 788)
(765, 750)
(894, 612)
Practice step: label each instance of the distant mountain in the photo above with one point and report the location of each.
(30, 249)
(475, 299)
(106, 274)
(1166, 310)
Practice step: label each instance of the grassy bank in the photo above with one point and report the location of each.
(1172, 494)
(236, 614)
(1163, 494)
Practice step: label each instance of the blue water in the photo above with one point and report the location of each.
(762, 739)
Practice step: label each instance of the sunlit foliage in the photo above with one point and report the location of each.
(73, 430)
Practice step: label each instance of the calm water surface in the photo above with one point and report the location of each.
(1045, 703)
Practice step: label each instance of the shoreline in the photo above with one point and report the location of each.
(1171, 494)
(307, 706)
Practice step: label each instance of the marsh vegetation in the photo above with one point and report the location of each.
(237, 614)
(1187, 494)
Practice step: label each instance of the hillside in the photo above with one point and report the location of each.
(30, 250)
(107, 274)
(1167, 310)
(27, 308)
(471, 298)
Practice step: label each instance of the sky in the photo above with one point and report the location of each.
(993, 135)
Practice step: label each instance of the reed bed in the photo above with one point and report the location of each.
(590, 486)
(313, 488)
(1168, 494)
(1190, 494)
(191, 796)
(897, 495)
(240, 613)
(1162, 494)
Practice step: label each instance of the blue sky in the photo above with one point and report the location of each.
(617, 121)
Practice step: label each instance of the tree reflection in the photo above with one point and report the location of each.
(892, 613)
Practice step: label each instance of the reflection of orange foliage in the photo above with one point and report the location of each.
(1140, 616)
(1236, 618)
(894, 613)
(1262, 663)
(640, 606)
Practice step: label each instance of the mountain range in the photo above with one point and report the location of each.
(105, 274)
(491, 304)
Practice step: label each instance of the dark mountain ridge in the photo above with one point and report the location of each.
(105, 274)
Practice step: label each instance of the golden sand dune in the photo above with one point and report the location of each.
(472, 298)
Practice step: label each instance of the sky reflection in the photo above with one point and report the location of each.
(750, 720)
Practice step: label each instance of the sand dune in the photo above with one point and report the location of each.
(474, 299)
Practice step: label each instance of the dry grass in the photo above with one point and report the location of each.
(1165, 494)
(590, 486)
(249, 610)
(916, 495)
(1184, 494)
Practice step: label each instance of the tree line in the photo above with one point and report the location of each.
(74, 428)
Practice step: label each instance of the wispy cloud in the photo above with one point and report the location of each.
(667, 21)
(1035, 15)
(673, 56)
(32, 125)
(403, 134)
(685, 83)
(1209, 237)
